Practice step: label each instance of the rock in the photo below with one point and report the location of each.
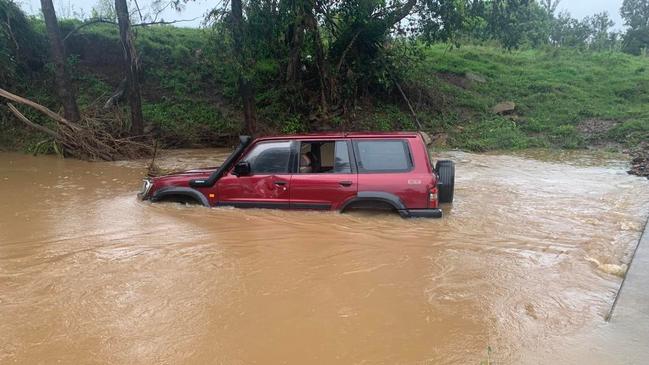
(505, 107)
(475, 77)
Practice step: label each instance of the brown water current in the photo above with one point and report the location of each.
(519, 264)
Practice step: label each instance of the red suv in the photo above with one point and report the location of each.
(338, 171)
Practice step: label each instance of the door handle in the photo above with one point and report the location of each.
(281, 183)
(345, 183)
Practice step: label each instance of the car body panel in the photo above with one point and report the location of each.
(322, 191)
(254, 191)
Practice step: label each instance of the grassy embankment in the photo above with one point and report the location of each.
(564, 98)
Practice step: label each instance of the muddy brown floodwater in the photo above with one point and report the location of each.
(522, 261)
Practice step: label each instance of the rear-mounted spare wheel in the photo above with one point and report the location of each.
(446, 180)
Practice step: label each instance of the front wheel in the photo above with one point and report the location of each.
(446, 180)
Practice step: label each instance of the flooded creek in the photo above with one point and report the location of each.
(524, 260)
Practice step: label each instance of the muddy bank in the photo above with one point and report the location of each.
(640, 160)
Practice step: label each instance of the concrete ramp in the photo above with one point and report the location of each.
(633, 301)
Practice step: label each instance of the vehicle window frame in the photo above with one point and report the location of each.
(291, 159)
(350, 153)
(406, 147)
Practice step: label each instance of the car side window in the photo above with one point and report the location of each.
(341, 158)
(382, 156)
(269, 158)
(321, 157)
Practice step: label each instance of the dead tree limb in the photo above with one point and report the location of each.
(412, 111)
(18, 99)
(88, 139)
(25, 120)
(117, 95)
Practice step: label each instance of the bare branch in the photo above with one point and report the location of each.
(164, 23)
(6, 94)
(106, 21)
(87, 23)
(159, 11)
(25, 120)
(137, 6)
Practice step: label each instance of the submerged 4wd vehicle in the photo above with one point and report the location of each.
(320, 171)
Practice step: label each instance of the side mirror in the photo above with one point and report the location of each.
(242, 168)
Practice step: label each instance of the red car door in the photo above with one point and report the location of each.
(269, 183)
(326, 178)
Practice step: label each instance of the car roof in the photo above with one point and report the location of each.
(329, 135)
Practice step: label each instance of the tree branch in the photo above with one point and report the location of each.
(40, 108)
(397, 15)
(137, 6)
(87, 23)
(344, 54)
(39, 127)
(106, 21)
(163, 22)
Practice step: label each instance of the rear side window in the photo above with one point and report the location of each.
(383, 156)
(318, 157)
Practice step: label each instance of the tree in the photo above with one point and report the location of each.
(320, 57)
(325, 53)
(20, 45)
(63, 84)
(570, 32)
(601, 37)
(550, 6)
(132, 68)
(245, 87)
(636, 17)
(518, 22)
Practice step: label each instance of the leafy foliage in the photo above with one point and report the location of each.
(636, 16)
(20, 44)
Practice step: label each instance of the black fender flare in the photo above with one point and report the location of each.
(189, 192)
(378, 196)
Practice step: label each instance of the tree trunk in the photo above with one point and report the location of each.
(62, 78)
(132, 72)
(245, 88)
(296, 32)
(320, 58)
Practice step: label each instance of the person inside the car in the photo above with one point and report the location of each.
(306, 164)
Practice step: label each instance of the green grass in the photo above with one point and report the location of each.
(554, 90)
(188, 122)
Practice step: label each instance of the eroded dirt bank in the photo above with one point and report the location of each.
(90, 275)
(640, 160)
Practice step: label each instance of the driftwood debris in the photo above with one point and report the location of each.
(118, 95)
(89, 139)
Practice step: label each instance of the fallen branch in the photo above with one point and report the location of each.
(89, 139)
(25, 120)
(18, 99)
(117, 95)
(404, 96)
